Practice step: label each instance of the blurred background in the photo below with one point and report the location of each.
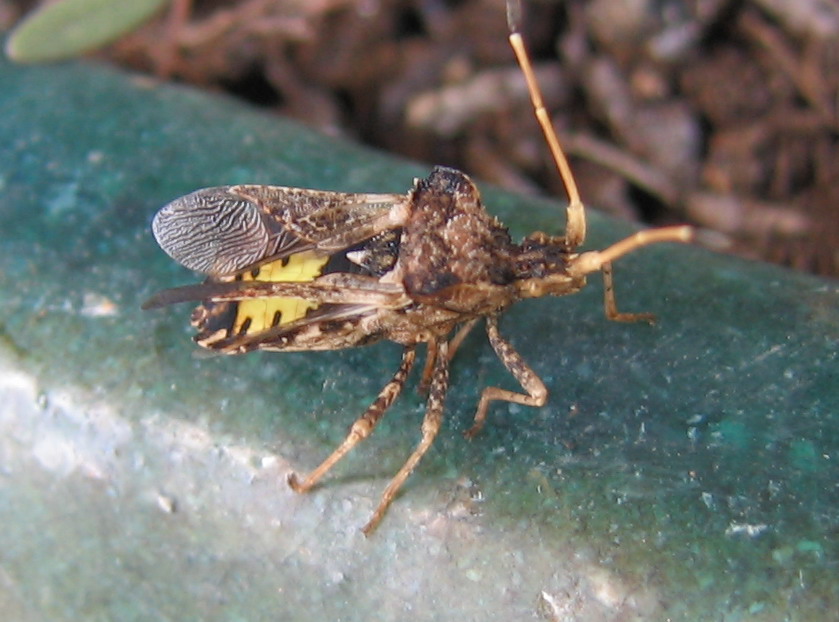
(722, 113)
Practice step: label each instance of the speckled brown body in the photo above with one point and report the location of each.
(410, 269)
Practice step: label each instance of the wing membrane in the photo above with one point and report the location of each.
(227, 229)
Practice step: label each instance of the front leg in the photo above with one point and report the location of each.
(611, 306)
(536, 394)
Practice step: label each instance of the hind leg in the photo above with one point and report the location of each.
(430, 426)
(364, 426)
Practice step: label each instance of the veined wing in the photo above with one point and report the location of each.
(227, 229)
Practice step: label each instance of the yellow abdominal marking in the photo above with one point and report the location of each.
(264, 312)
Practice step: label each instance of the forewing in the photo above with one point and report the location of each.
(227, 229)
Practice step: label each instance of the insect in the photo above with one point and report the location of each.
(291, 269)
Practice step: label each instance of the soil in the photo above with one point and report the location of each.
(722, 113)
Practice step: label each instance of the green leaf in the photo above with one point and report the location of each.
(72, 27)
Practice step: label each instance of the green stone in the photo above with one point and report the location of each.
(685, 471)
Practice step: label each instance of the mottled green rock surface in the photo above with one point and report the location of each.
(684, 471)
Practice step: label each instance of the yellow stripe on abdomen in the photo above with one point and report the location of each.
(262, 313)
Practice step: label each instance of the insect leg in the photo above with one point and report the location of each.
(536, 394)
(454, 344)
(575, 228)
(363, 427)
(430, 426)
(428, 368)
(460, 336)
(611, 306)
